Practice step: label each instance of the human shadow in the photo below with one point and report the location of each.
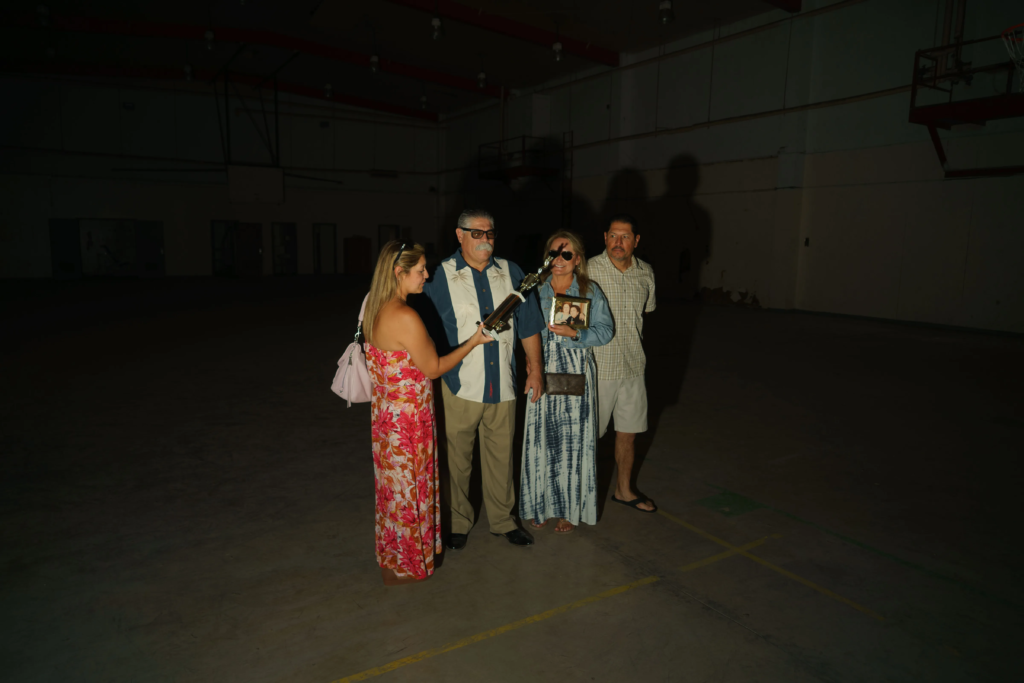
(675, 239)
(526, 210)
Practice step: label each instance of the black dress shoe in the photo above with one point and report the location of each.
(518, 537)
(456, 541)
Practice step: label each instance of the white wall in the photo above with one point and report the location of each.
(74, 149)
(886, 235)
(186, 210)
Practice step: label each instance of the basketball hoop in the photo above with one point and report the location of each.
(1013, 38)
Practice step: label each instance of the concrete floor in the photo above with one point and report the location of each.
(184, 499)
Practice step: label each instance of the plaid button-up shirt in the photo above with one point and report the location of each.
(630, 294)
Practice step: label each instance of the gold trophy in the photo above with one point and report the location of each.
(498, 320)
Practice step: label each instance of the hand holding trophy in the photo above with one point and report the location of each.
(498, 320)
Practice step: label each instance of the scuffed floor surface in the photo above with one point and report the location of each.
(184, 499)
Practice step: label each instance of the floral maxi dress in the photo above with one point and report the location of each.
(408, 520)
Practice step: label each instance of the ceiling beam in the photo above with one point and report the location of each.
(151, 29)
(792, 6)
(176, 73)
(514, 29)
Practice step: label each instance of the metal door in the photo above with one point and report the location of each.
(286, 260)
(108, 247)
(222, 247)
(149, 248)
(248, 249)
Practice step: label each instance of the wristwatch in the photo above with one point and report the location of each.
(576, 337)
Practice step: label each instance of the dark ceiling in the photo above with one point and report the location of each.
(137, 39)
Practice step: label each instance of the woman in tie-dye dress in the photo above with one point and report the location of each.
(559, 475)
(402, 362)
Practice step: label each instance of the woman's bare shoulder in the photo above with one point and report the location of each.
(399, 315)
(392, 326)
(406, 314)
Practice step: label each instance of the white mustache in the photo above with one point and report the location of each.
(483, 246)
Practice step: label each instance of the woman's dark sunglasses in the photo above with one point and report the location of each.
(477, 234)
(566, 255)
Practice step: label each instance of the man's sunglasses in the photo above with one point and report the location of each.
(477, 234)
(566, 255)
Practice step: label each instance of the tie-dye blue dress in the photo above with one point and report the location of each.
(560, 441)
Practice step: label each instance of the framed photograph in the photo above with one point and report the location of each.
(573, 311)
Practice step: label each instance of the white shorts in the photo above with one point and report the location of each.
(626, 401)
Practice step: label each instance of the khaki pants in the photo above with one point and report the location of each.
(496, 423)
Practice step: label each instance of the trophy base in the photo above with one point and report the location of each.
(499, 326)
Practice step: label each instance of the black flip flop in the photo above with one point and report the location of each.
(636, 501)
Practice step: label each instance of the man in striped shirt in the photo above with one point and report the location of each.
(628, 284)
(479, 393)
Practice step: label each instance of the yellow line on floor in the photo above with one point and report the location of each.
(721, 556)
(427, 654)
(774, 567)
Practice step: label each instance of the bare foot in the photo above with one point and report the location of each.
(537, 524)
(564, 527)
(628, 497)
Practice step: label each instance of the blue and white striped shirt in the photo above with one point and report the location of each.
(463, 296)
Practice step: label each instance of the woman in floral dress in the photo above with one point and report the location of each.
(402, 362)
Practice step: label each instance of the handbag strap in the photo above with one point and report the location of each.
(359, 327)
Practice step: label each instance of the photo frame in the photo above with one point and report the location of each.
(571, 310)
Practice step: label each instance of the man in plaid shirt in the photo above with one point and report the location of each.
(628, 284)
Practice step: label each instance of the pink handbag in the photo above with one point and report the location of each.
(352, 381)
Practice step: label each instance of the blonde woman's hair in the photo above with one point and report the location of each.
(385, 283)
(576, 246)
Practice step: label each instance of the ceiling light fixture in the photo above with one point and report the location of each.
(557, 47)
(374, 63)
(438, 28)
(209, 39)
(188, 72)
(327, 91)
(665, 14)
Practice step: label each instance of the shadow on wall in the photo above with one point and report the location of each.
(675, 230)
(526, 210)
(676, 239)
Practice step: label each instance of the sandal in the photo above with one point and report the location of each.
(533, 524)
(563, 530)
(635, 502)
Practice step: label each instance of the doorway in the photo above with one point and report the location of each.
(286, 258)
(149, 248)
(237, 248)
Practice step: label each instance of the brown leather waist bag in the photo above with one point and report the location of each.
(564, 384)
